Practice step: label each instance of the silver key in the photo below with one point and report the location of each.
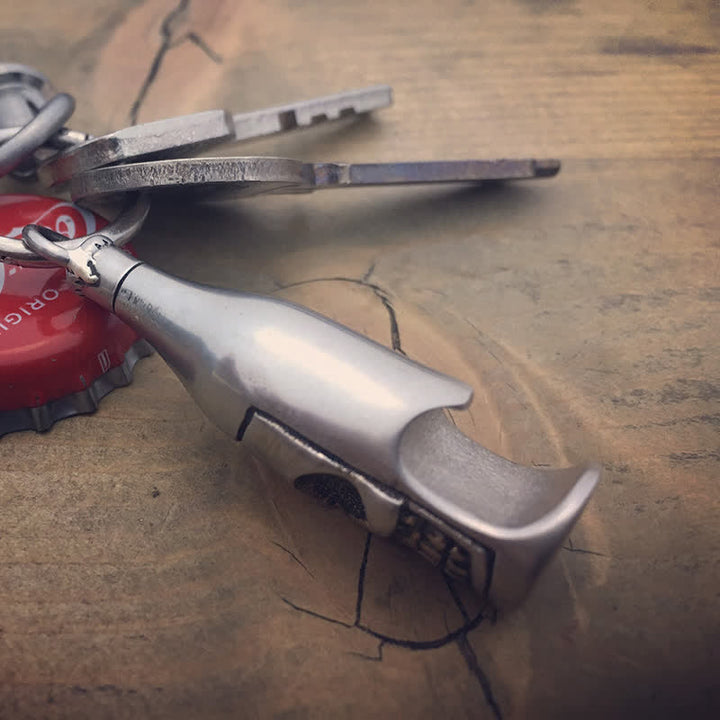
(213, 178)
(190, 134)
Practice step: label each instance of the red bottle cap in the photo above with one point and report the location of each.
(60, 354)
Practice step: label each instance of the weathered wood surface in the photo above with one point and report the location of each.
(149, 568)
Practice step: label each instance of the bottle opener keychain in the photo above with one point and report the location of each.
(325, 407)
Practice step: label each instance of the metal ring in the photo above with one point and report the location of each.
(62, 140)
(50, 118)
(119, 232)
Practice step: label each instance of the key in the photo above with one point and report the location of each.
(190, 134)
(218, 178)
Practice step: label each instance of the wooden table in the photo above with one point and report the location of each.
(149, 568)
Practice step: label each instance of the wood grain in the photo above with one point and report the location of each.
(149, 568)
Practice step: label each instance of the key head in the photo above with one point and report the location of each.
(201, 178)
(186, 134)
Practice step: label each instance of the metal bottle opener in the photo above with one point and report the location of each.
(342, 416)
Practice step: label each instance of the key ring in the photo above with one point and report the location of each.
(49, 119)
(32, 115)
(119, 232)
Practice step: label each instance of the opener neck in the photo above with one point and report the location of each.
(112, 266)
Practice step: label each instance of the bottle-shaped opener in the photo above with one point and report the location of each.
(341, 416)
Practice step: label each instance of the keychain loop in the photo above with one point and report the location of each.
(119, 232)
(50, 118)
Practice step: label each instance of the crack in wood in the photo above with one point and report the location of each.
(379, 292)
(571, 548)
(294, 557)
(371, 658)
(167, 32)
(469, 655)
(458, 636)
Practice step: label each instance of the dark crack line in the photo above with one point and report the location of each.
(379, 293)
(195, 39)
(165, 45)
(483, 341)
(433, 644)
(294, 557)
(317, 615)
(582, 551)
(384, 298)
(459, 604)
(366, 277)
(394, 327)
(361, 580)
(371, 658)
(460, 635)
(166, 33)
(466, 650)
(469, 655)
(470, 624)
(408, 644)
(571, 548)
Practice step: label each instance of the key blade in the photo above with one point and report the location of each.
(417, 173)
(307, 113)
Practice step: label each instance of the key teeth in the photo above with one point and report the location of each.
(323, 117)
